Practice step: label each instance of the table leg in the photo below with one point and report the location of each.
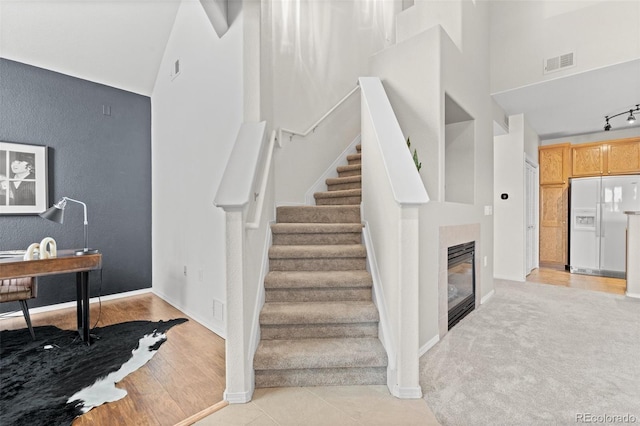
(82, 288)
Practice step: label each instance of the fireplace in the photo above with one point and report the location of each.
(461, 281)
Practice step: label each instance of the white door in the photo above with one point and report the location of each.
(531, 216)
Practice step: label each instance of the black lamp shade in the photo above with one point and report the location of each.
(54, 214)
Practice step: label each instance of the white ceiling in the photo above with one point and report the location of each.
(119, 43)
(577, 104)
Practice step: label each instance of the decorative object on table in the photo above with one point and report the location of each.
(57, 378)
(46, 249)
(55, 213)
(20, 290)
(415, 155)
(23, 178)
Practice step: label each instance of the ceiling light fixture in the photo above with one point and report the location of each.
(630, 120)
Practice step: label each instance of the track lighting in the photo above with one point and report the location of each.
(630, 120)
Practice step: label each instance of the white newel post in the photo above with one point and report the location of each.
(238, 375)
(408, 385)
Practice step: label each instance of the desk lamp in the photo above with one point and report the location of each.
(55, 213)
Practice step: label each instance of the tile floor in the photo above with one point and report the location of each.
(330, 405)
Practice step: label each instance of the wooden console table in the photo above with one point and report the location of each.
(66, 262)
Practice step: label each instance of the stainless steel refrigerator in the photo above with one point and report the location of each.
(598, 223)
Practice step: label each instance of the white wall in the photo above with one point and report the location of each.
(459, 162)
(509, 214)
(195, 119)
(525, 33)
(312, 55)
(432, 65)
(595, 137)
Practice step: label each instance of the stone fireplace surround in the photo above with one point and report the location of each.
(451, 236)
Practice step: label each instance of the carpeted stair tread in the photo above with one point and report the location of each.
(347, 182)
(290, 313)
(315, 228)
(359, 147)
(349, 170)
(315, 252)
(354, 158)
(320, 353)
(338, 193)
(322, 377)
(317, 279)
(318, 214)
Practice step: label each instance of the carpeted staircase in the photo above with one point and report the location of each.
(319, 325)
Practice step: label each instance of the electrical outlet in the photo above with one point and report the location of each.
(485, 261)
(200, 275)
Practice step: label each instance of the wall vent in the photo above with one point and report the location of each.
(558, 63)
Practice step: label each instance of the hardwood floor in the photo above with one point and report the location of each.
(186, 376)
(559, 276)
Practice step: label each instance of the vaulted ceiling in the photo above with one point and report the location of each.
(120, 43)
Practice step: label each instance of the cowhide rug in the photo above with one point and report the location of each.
(57, 377)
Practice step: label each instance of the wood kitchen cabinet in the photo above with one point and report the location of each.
(623, 157)
(553, 223)
(555, 169)
(588, 159)
(554, 164)
(606, 158)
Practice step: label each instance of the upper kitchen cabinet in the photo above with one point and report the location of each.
(617, 157)
(588, 159)
(554, 163)
(623, 156)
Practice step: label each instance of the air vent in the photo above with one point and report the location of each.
(558, 63)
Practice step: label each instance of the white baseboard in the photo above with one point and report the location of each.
(431, 343)
(385, 334)
(517, 280)
(67, 305)
(486, 298)
(238, 397)
(213, 327)
(407, 392)
(319, 185)
(634, 295)
(254, 338)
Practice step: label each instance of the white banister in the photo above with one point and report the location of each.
(293, 133)
(392, 194)
(260, 195)
(238, 179)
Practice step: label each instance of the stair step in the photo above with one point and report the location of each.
(318, 286)
(345, 196)
(349, 182)
(322, 377)
(316, 233)
(359, 147)
(309, 320)
(319, 294)
(349, 170)
(318, 214)
(354, 158)
(314, 313)
(317, 258)
(317, 279)
(319, 353)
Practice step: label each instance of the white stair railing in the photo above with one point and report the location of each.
(293, 133)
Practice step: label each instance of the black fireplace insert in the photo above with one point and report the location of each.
(461, 281)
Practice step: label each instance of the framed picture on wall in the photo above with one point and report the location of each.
(23, 178)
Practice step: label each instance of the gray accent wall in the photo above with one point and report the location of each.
(102, 160)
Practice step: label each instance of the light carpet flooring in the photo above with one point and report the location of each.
(537, 354)
(534, 354)
(324, 405)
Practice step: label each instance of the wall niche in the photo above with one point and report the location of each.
(459, 154)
